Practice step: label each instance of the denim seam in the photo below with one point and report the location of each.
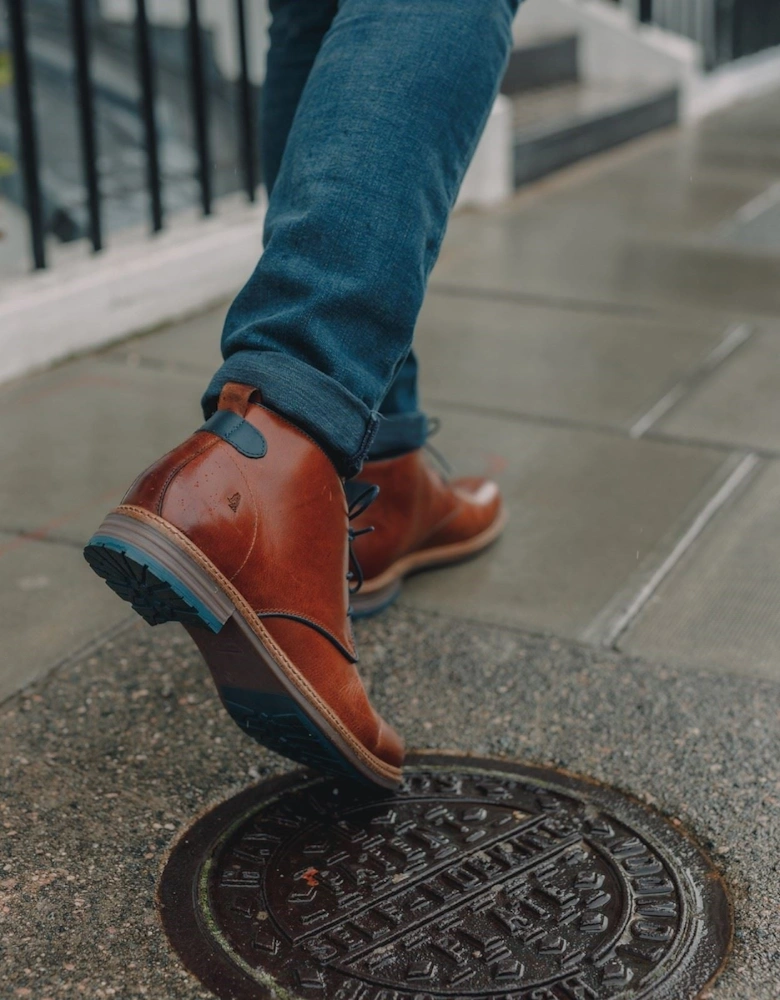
(356, 461)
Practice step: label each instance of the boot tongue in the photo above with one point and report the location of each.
(237, 397)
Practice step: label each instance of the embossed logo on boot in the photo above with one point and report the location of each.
(234, 501)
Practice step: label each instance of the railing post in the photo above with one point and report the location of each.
(645, 11)
(726, 29)
(146, 79)
(86, 119)
(708, 32)
(246, 123)
(198, 93)
(28, 141)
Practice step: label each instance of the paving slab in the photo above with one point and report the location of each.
(554, 362)
(738, 403)
(672, 189)
(636, 231)
(720, 608)
(746, 121)
(567, 252)
(585, 510)
(703, 275)
(756, 228)
(49, 608)
(191, 345)
(103, 765)
(81, 434)
(740, 153)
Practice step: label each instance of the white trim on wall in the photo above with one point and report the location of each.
(140, 283)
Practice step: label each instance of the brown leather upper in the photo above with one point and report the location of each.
(418, 509)
(276, 527)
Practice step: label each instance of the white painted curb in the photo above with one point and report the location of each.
(139, 284)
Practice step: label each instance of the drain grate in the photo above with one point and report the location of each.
(478, 879)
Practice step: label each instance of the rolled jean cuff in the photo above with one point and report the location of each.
(340, 422)
(398, 434)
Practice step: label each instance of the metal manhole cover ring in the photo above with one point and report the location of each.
(478, 880)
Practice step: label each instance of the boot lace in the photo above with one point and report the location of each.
(358, 505)
(359, 502)
(445, 469)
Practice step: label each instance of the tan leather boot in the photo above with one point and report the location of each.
(241, 534)
(420, 521)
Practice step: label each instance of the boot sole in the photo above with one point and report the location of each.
(377, 594)
(166, 578)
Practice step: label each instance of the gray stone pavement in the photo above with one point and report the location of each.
(602, 349)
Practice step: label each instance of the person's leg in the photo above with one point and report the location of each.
(242, 533)
(413, 499)
(386, 125)
(297, 30)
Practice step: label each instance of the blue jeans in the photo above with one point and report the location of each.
(372, 112)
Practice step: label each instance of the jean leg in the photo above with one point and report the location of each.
(402, 426)
(297, 30)
(296, 34)
(386, 126)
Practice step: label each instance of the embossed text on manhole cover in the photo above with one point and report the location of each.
(478, 879)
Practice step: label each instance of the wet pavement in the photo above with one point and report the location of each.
(598, 348)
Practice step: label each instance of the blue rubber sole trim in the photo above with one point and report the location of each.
(278, 723)
(154, 592)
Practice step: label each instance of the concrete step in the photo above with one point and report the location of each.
(541, 62)
(558, 125)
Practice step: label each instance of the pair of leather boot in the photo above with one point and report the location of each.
(246, 534)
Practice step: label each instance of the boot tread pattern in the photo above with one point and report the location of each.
(155, 600)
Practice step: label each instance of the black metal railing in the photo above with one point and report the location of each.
(28, 137)
(140, 111)
(726, 29)
(86, 104)
(198, 97)
(146, 78)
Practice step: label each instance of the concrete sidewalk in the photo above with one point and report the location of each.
(608, 346)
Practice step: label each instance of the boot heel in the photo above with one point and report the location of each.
(160, 581)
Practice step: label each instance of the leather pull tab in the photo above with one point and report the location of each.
(237, 432)
(236, 397)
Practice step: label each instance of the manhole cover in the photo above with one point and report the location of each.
(478, 879)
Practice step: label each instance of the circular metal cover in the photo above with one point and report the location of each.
(478, 879)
